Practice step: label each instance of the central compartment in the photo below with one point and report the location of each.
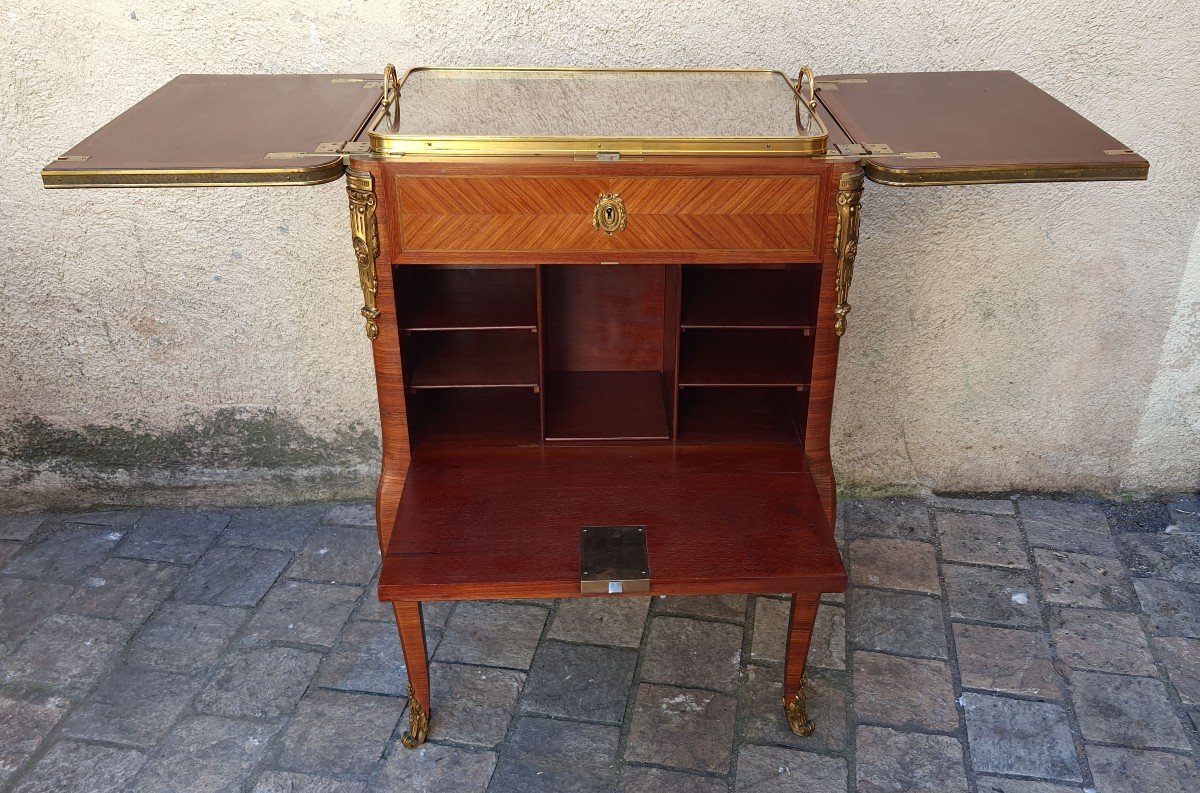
(611, 351)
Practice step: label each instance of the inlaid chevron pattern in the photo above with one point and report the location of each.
(555, 214)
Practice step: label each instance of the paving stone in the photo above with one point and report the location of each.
(494, 634)
(274, 528)
(338, 732)
(258, 683)
(66, 652)
(19, 527)
(1130, 771)
(342, 554)
(133, 706)
(995, 784)
(1006, 660)
(614, 621)
(1102, 641)
(372, 608)
(473, 704)
(689, 652)
(990, 506)
(117, 518)
(981, 539)
(771, 769)
(986, 594)
(1171, 557)
(718, 607)
(368, 657)
(1075, 579)
(771, 617)
(889, 761)
(636, 779)
(65, 554)
(304, 613)
(181, 638)
(431, 768)
(7, 549)
(1181, 657)
(205, 753)
(894, 564)
(899, 518)
(1134, 711)
(760, 709)
(232, 577)
(1012, 736)
(827, 648)
(1185, 512)
(71, 767)
(126, 589)
(434, 613)
(1173, 609)
(579, 681)
(1067, 526)
(1136, 515)
(26, 718)
(907, 692)
(292, 782)
(178, 536)
(682, 728)
(23, 602)
(558, 757)
(362, 514)
(897, 622)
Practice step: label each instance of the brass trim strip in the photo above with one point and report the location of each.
(212, 177)
(850, 189)
(1003, 174)
(364, 232)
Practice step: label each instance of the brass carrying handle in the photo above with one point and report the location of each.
(811, 100)
(391, 86)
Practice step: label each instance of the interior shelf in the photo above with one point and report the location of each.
(472, 359)
(745, 358)
(466, 298)
(475, 416)
(742, 415)
(747, 297)
(605, 406)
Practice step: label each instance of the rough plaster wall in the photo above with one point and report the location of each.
(206, 342)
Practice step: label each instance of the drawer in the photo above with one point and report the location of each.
(688, 219)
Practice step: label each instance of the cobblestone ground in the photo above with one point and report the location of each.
(992, 645)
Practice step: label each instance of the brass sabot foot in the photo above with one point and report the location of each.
(418, 722)
(797, 713)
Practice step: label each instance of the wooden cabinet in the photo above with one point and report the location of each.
(604, 306)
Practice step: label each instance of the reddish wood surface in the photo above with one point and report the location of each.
(211, 123)
(472, 359)
(744, 358)
(475, 416)
(741, 415)
(606, 406)
(743, 297)
(412, 641)
(986, 126)
(466, 298)
(505, 522)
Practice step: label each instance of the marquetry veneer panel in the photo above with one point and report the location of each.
(666, 214)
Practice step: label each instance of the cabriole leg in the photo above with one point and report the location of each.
(800, 628)
(412, 641)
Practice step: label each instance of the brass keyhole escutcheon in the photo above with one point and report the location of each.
(610, 215)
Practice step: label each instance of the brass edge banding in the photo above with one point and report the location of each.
(850, 188)
(364, 232)
(257, 177)
(895, 177)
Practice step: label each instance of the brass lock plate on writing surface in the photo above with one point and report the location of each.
(613, 560)
(610, 215)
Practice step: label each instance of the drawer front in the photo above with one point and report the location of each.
(697, 218)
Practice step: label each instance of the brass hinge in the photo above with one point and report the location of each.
(74, 157)
(832, 85)
(1118, 152)
(876, 150)
(324, 148)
